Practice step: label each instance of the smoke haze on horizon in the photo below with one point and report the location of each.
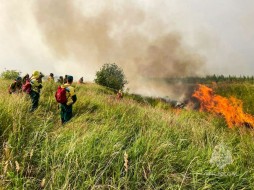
(146, 38)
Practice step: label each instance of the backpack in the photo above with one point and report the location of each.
(60, 95)
(27, 87)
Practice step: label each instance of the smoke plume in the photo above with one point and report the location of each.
(121, 33)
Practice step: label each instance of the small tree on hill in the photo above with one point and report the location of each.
(112, 76)
(9, 74)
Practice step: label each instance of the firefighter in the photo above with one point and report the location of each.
(41, 75)
(60, 80)
(81, 80)
(51, 77)
(119, 94)
(65, 79)
(35, 90)
(25, 78)
(66, 109)
(16, 86)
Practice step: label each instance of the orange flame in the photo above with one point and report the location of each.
(230, 108)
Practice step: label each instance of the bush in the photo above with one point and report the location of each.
(111, 76)
(9, 74)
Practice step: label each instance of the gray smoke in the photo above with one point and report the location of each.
(116, 34)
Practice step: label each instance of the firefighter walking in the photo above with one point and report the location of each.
(66, 97)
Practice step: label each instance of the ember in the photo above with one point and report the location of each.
(230, 108)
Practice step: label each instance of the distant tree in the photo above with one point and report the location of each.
(112, 76)
(9, 74)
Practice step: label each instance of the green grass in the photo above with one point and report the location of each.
(167, 149)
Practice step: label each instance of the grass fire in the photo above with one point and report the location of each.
(230, 108)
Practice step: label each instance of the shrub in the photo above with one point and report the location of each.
(111, 76)
(9, 74)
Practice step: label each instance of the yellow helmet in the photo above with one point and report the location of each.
(36, 74)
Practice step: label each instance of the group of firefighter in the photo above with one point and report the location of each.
(35, 84)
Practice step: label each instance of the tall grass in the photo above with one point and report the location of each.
(116, 144)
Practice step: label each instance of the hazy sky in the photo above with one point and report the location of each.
(219, 32)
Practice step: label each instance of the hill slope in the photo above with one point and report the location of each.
(112, 144)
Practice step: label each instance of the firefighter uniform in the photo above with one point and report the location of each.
(35, 91)
(66, 109)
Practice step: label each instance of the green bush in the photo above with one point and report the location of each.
(111, 76)
(9, 74)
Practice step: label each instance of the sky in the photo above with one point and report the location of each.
(148, 39)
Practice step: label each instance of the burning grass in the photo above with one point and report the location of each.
(230, 108)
